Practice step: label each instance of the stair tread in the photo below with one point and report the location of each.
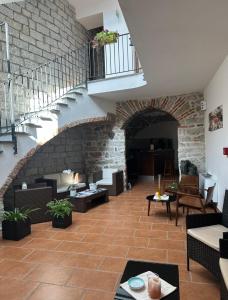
(33, 125)
(62, 103)
(69, 97)
(43, 118)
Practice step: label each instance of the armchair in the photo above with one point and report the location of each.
(111, 179)
(223, 264)
(203, 234)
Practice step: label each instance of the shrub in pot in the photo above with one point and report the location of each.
(61, 212)
(104, 37)
(16, 224)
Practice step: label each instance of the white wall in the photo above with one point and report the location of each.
(216, 94)
(112, 15)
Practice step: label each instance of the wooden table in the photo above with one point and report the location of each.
(85, 199)
(167, 272)
(172, 198)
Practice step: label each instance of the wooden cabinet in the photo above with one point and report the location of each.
(152, 163)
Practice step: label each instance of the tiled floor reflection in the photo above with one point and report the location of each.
(85, 261)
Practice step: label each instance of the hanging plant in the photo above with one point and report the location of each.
(104, 37)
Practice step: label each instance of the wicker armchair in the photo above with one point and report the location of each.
(203, 234)
(223, 263)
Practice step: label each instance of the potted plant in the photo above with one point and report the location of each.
(61, 212)
(16, 224)
(104, 37)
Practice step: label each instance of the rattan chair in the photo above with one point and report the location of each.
(223, 263)
(203, 234)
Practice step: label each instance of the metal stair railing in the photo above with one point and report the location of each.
(42, 87)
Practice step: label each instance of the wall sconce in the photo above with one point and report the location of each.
(225, 151)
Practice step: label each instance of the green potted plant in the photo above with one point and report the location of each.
(16, 224)
(61, 212)
(104, 37)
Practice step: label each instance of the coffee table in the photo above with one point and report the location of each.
(85, 199)
(167, 272)
(172, 198)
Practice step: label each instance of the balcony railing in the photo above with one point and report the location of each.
(114, 59)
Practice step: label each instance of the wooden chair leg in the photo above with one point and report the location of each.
(188, 263)
(148, 213)
(177, 210)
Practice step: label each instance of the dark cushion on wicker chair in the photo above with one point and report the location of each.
(225, 210)
(199, 250)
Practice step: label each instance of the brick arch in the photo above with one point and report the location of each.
(186, 110)
(179, 107)
(22, 162)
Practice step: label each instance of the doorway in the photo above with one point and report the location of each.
(151, 145)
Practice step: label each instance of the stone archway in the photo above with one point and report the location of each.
(186, 110)
(110, 118)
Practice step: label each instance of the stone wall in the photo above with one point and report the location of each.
(186, 110)
(39, 30)
(65, 151)
(104, 147)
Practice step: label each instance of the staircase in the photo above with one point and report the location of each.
(37, 104)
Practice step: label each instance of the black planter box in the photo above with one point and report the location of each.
(15, 230)
(62, 222)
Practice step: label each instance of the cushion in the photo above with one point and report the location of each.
(107, 173)
(62, 188)
(225, 210)
(105, 181)
(67, 179)
(56, 176)
(209, 235)
(223, 263)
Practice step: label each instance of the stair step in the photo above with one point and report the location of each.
(6, 142)
(33, 125)
(62, 104)
(71, 98)
(55, 110)
(44, 118)
(76, 92)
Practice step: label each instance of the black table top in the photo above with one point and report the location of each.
(172, 198)
(167, 272)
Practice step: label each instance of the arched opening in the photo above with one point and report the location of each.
(151, 145)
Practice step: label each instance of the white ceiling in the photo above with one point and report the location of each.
(180, 43)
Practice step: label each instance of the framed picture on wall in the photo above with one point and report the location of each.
(216, 119)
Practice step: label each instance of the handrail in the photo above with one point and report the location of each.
(42, 86)
(114, 59)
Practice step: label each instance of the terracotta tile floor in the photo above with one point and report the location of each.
(85, 261)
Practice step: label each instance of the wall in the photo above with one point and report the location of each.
(186, 110)
(112, 15)
(39, 30)
(104, 147)
(65, 151)
(85, 149)
(216, 94)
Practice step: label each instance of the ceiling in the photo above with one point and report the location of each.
(180, 43)
(145, 119)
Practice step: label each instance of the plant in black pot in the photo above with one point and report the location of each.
(61, 212)
(16, 224)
